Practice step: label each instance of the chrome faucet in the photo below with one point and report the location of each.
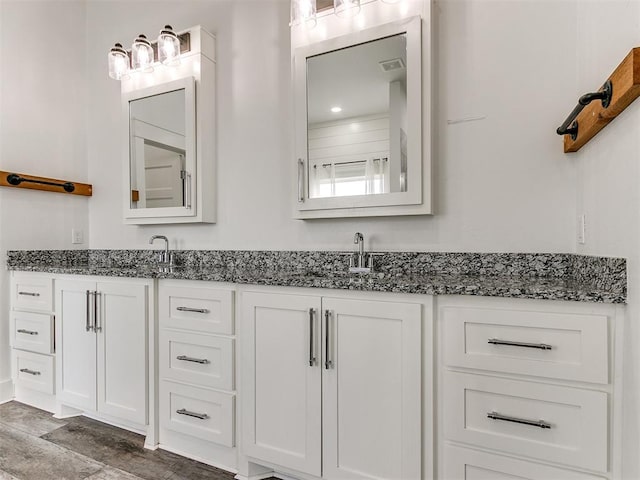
(164, 256)
(358, 239)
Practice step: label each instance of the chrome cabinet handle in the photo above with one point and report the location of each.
(540, 346)
(88, 318)
(189, 309)
(30, 372)
(201, 416)
(187, 189)
(300, 180)
(28, 332)
(184, 358)
(327, 362)
(29, 294)
(504, 418)
(96, 316)
(312, 357)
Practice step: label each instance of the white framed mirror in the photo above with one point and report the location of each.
(160, 141)
(358, 140)
(168, 132)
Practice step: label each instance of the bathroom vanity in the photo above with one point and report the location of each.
(457, 373)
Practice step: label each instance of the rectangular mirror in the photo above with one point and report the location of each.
(359, 124)
(357, 119)
(161, 149)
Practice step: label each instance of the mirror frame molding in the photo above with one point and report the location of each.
(417, 199)
(188, 85)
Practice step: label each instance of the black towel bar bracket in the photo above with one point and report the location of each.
(570, 125)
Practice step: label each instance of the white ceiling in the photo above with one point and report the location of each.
(352, 79)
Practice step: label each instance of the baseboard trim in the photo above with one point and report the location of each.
(6, 390)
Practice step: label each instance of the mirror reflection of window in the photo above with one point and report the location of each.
(157, 144)
(357, 119)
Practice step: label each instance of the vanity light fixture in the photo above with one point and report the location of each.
(346, 8)
(168, 47)
(118, 62)
(142, 54)
(141, 57)
(303, 11)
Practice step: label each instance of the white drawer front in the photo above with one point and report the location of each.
(204, 310)
(32, 292)
(182, 405)
(466, 464)
(546, 344)
(201, 359)
(34, 371)
(32, 331)
(577, 419)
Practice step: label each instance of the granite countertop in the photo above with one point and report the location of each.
(535, 276)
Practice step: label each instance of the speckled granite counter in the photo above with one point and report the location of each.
(519, 275)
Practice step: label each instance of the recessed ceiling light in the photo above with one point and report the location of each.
(336, 109)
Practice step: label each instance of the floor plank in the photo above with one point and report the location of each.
(31, 458)
(28, 419)
(125, 450)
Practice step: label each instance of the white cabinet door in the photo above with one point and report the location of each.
(76, 344)
(371, 390)
(121, 328)
(282, 386)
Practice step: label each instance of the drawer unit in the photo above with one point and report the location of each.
(34, 371)
(466, 464)
(31, 291)
(570, 346)
(204, 310)
(198, 412)
(548, 422)
(200, 359)
(196, 357)
(32, 331)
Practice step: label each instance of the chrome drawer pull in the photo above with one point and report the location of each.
(523, 421)
(539, 346)
(189, 309)
(30, 372)
(29, 294)
(202, 361)
(28, 332)
(201, 416)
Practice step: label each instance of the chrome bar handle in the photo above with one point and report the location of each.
(28, 332)
(504, 418)
(201, 416)
(300, 180)
(96, 313)
(88, 319)
(189, 309)
(312, 357)
(539, 346)
(30, 372)
(202, 361)
(327, 362)
(188, 189)
(29, 294)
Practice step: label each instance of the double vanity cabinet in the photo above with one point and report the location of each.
(316, 383)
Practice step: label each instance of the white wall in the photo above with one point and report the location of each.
(502, 183)
(609, 193)
(42, 129)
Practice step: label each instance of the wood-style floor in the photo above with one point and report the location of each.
(36, 446)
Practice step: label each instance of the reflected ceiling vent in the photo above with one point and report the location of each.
(393, 64)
